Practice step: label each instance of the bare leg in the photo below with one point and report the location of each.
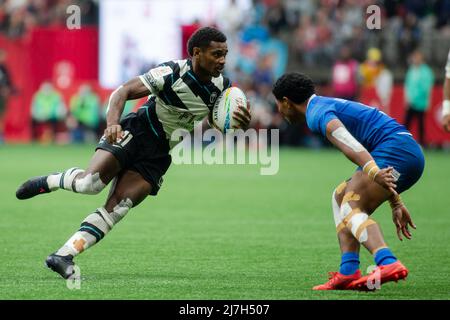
(105, 164)
(130, 184)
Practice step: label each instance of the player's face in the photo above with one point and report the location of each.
(212, 59)
(289, 111)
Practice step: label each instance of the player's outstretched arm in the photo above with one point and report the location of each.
(339, 136)
(133, 89)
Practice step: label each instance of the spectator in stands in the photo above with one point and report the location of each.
(408, 37)
(418, 86)
(89, 11)
(307, 40)
(48, 113)
(348, 14)
(16, 24)
(263, 73)
(257, 12)
(371, 68)
(442, 9)
(345, 76)
(314, 39)
(276, 18)
(358, 43)
(19, 16)
(261, 92)
(84, 119)
(5, 89)
(374, 74)
(417, 7)
(230, 21)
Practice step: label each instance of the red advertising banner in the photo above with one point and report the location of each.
(65, 57)
(434, 134)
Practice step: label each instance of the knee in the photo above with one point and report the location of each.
(354, 217)
(336, 213)
(121, 209)
(336, 199)
(118, 212)
(89, 184)
(338, 193)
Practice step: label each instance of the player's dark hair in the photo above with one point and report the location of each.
(203, 37)
(295, 86)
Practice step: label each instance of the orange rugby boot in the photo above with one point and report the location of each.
(338, 281)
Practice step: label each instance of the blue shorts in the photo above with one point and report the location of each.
(405, 155)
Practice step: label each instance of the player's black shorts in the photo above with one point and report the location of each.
(143, 147)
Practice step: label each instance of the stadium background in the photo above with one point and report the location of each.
(266, 38)
(278, 239)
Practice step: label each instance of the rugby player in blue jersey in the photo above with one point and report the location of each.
(389, 162)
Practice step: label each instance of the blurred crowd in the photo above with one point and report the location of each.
(19, 16)
(331, 41)
(328, 39)
(78, 119)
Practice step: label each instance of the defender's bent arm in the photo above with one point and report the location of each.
(338, 135)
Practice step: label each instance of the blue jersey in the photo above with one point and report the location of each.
(368, 125)
(389, 143)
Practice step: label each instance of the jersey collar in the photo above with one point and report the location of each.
(189, 61)
(309, 100)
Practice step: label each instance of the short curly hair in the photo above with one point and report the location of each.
(295, 86)
(202, 38)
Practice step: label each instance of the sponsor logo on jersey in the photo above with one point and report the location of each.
(213, 97)
(160, 72)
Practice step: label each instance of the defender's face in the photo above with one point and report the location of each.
(289, 112)
(212, 58)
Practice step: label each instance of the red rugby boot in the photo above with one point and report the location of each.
(338, 281)
(382, 274)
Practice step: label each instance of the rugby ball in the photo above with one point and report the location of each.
(225, 105)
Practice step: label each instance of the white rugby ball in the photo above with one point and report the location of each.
(222, 112)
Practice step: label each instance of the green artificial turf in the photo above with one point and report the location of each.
(214, 232)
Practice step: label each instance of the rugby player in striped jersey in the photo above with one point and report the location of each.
(133, 154)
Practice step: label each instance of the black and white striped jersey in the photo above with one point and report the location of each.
(181, 98)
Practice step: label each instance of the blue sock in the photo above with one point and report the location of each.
(349, 263)
(384, 256)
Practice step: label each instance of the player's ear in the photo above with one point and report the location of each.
(287, 102)
(196, 51)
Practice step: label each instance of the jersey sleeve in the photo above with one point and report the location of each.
(318, 116)
(326, 117)
(154, 79)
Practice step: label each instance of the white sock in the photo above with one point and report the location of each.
(92, 230)
(76, 244)
(53, 181)
(63, 180)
